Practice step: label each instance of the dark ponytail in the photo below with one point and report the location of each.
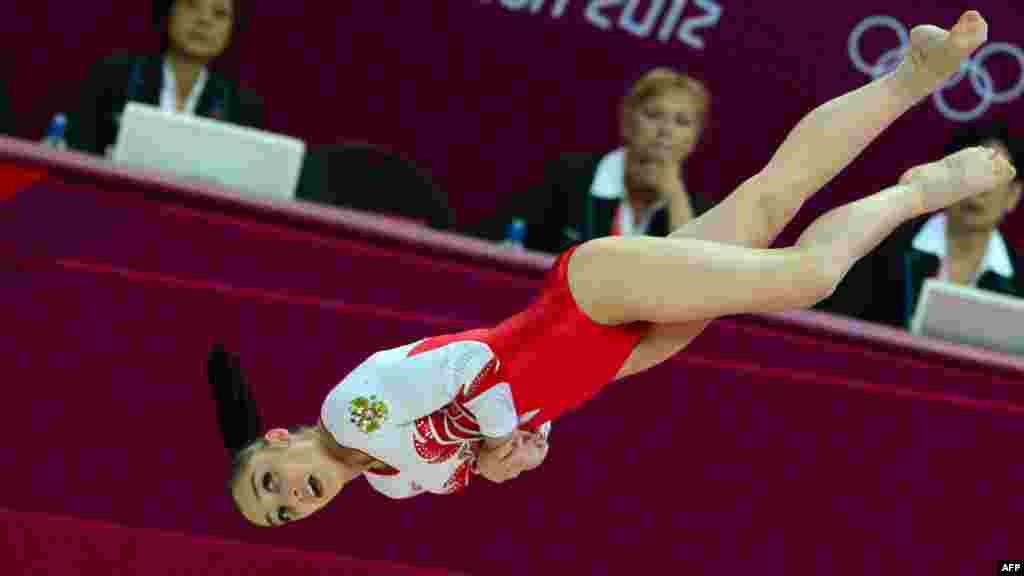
(237, 416)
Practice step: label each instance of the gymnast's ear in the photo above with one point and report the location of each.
(277, 436)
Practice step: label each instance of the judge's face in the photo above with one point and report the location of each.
(201, 29)
(660, 133)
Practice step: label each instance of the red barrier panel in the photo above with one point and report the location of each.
(46, 544)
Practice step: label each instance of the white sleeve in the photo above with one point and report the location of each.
(495, 411)
(394, 487)
(422, 384)
(392, 388)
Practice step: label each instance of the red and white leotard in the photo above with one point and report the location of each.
(422, 407)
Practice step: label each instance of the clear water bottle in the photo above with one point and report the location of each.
(56, 134)
(515, 234)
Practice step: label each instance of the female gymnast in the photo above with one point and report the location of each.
(420, 417)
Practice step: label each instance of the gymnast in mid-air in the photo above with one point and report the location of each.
(430, 415)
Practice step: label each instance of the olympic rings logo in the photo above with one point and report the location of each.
(972, 68)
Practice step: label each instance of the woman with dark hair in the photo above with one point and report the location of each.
(195, 33)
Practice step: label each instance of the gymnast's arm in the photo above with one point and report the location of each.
(538, 437)
(411, 387)
(522, 451)
(392, 388)
(491, 442)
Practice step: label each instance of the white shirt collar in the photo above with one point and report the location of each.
(169, 92)
(610, 184)
(610, 177)
(932, 240)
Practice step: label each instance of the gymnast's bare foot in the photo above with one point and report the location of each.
(971, 171)
(934, 54)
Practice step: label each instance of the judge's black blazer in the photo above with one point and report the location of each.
(116, 80)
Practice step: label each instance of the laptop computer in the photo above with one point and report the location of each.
(967, 315)
(253, 162)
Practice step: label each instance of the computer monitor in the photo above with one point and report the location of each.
(250, 161)
(967, 315)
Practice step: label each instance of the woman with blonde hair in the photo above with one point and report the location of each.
(635, 189)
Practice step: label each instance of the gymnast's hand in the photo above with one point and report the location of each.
(530, 453)
(505, 459)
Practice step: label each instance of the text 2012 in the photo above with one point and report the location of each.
(664, 19)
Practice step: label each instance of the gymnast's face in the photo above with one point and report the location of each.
(659, 133)
(986, 211)
(201, 29)
(288, 479)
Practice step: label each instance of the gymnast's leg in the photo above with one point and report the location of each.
(756, 213)
(676, 280)
(830, 137)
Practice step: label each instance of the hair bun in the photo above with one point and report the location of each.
(237, 415)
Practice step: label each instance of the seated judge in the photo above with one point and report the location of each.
(961, 245)
(179, 79)
(636, 189)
